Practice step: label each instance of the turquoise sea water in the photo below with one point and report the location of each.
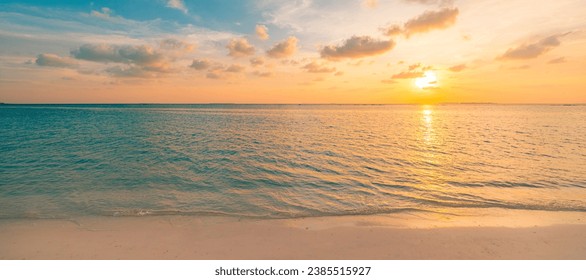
(279, 161)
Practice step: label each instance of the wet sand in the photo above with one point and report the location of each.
(531, 235)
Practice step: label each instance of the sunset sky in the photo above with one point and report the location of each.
(265, 51)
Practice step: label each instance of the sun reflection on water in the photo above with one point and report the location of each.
(427, 121)
(431, 161)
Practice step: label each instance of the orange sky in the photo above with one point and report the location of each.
(294, 52)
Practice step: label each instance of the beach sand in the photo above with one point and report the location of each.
(506, 235)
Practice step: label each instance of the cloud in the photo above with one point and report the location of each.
(389, 81)
(240, 47)
(414, 66)
(431, 20)
(105, 13)
(357, 47)
(262, 32)
(393, 30)
(142, 56)
(428, 21)
(426, 2)
(214, 75)
(557, 60)
(176, 45)
(129, 72)
(421, 1)
(533, 50)
(283, 49)
(521, 67)
(53, 60)
(200, 64)
(315, 67)
(285, 14)
(458, 68)
(99, 53)
(290, 62)
(408, 75)
(360, 63)
(262, 74)
(370, 3)
(235, 68)
(177, 4)
(413, 71)
(257, 61)
(431, 2)
(216, 70)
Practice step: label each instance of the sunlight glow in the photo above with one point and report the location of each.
(429, 80)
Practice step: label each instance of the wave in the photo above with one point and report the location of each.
(288, 161)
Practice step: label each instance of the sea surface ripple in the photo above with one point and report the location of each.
(281, 161)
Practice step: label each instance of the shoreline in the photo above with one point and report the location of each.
(506, 235)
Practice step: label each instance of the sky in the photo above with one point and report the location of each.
(293, 52)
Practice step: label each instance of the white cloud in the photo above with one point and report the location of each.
(285, 14)
(105, 13)
(177, 4)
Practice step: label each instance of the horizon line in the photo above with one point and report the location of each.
(298, 104)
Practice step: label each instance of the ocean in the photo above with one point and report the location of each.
(285, 161)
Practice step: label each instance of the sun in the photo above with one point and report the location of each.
(429, 80)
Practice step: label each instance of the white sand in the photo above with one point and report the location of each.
(516, 235)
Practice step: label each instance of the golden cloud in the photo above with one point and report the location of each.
(357, 47)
